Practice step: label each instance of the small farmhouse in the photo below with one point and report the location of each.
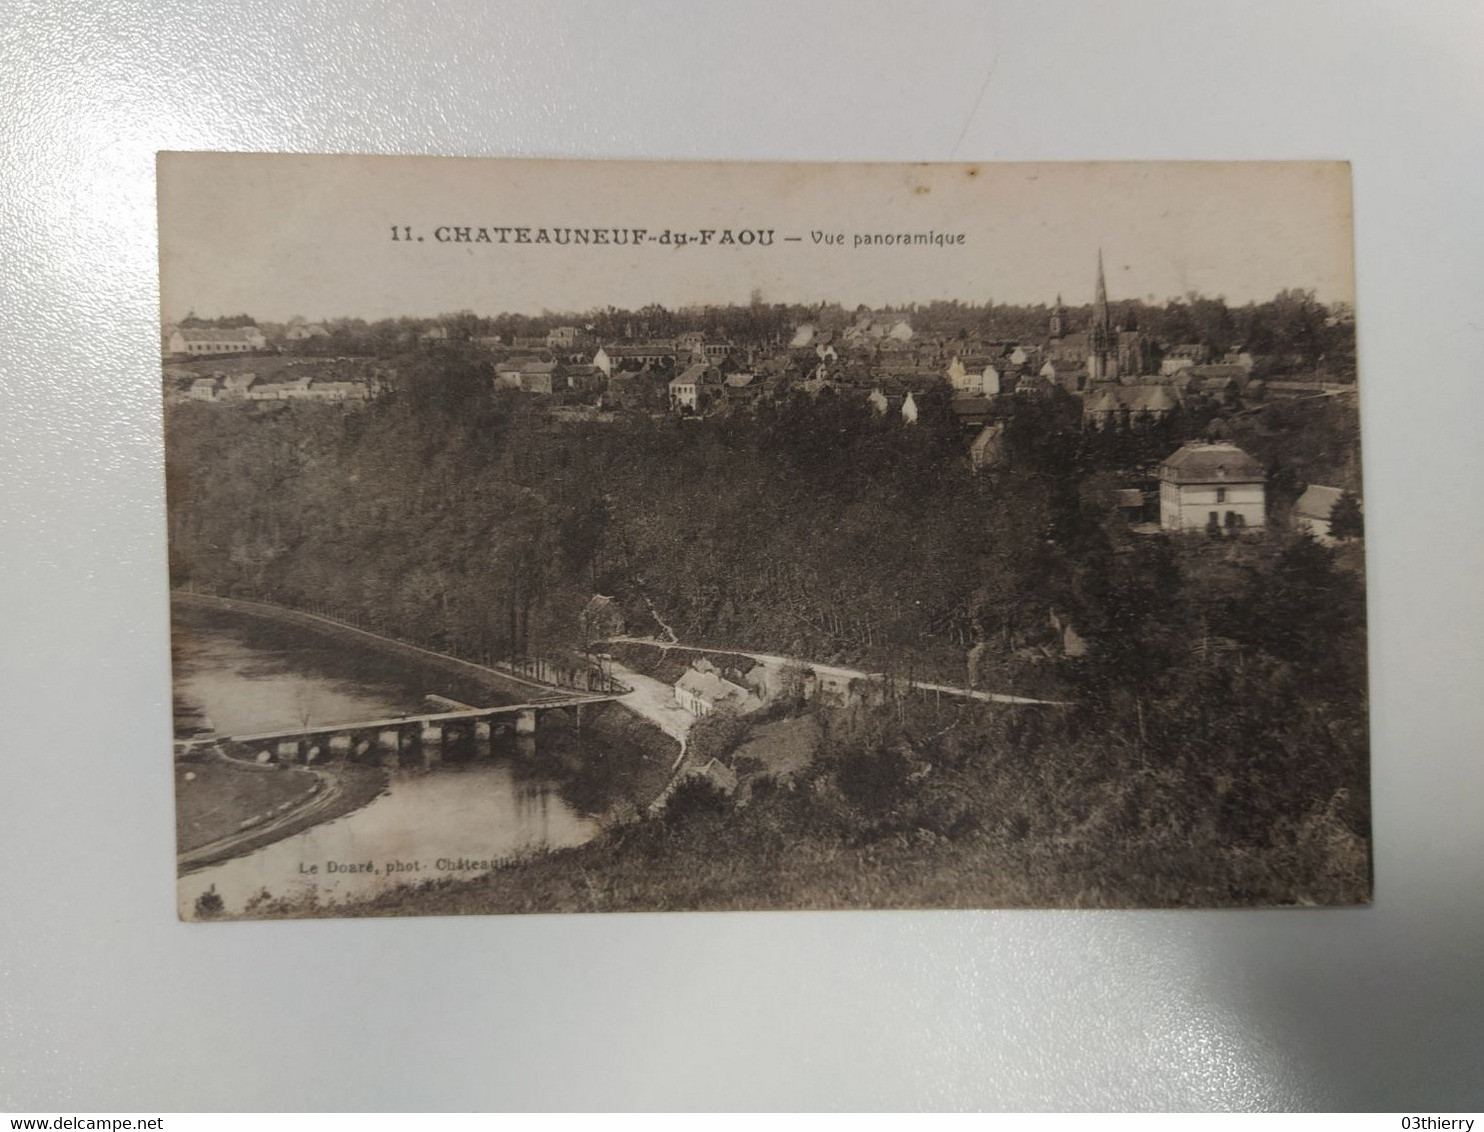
(702, 692)
(1206, 484)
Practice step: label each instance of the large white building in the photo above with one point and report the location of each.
(1203, 484)
(212, 341)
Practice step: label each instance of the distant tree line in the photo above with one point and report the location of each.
(1291, 333)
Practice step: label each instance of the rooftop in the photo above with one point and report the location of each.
(1212, 463)
(1317, 502)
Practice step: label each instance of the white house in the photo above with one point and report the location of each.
(695, 388)
(976, 383)
(1218, 483)
(700, 693)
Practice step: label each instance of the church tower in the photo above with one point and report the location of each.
(1102, 347)
(1058, 321)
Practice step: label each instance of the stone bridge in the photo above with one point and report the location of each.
(401, 732)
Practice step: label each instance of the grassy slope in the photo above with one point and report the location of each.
(753, 861)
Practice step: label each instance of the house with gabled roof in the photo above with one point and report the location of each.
(1215, 484)
(714, 771)
(1313, 510)
(974, 378)
(695, 388)
(988, 448)
(1212, 380)
(909, 409)
(544, 377)
(701, 691)
(972, 412)
(1182, 356)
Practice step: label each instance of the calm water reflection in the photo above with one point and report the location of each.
(436, 820)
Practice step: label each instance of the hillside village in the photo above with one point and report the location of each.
(1125, 385)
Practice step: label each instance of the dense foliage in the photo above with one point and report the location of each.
(1217, 734)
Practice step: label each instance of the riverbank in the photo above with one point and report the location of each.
(367, 656)
(269, 810)
(216, 797)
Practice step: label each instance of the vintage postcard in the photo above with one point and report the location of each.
(622, 536)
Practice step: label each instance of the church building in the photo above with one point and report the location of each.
(1108, 354)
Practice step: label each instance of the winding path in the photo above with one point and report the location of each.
(777, 662)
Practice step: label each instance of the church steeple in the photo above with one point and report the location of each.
(1058, 320)
(1100, 299)
(1102, 352)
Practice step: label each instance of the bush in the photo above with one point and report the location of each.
(695, 797)
(874, 779)
(716, 736)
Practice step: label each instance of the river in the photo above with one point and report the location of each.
(444, 814)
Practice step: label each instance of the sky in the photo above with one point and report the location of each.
(276, 236)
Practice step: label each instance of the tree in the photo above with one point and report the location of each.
(1345, 517)
(695, 797)
(1305, 611)
(209, 905)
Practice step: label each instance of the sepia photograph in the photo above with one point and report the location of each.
(598, 536)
